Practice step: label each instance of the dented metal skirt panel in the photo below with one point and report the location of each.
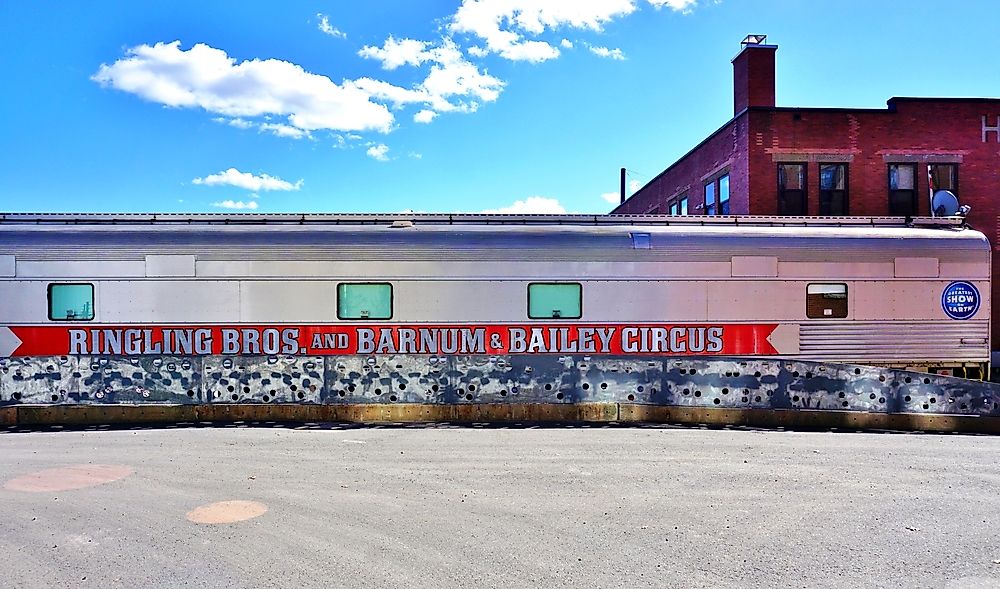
(738, 391)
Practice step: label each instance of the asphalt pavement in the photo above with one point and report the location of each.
(447, 506)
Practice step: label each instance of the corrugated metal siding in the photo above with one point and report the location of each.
(852, 341)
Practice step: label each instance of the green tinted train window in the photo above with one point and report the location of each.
(369, 300)
(71, 302)
(552, 300)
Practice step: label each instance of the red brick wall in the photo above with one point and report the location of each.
(753, 77)
(918, 131)
(726, 148)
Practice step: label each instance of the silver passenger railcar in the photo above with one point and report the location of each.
(874, 291)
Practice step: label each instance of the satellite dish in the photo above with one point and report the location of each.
(944, 204)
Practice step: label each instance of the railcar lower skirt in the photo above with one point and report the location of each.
(408, 388)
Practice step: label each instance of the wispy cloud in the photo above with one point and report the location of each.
(379, 152)
(684, 6)
(452, 84)
(278, 129)
(326, 27)
(605, 52)
(247, 181)
(282, 130)
(236, 204)
(510, 28)
(531, 205)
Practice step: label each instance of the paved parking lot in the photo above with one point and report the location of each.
(441, 506)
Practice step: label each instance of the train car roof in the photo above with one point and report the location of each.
(452, 219)
(573, 238)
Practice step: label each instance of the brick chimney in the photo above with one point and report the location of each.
(753, 74)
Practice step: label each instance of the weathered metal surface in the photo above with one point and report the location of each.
(263, 379)
(489, 388)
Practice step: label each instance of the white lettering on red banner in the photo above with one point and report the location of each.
(341, 339)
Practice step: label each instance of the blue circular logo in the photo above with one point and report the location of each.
(960, 300)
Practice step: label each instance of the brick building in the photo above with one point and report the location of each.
(776, 160)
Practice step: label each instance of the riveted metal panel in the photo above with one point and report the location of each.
(144, 379)
(39, 379)
(715, 390)
(263, 379)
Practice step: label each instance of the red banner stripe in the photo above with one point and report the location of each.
(349, 339)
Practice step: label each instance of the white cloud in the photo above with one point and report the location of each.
(477, 51)
(206, 77)
(282, 130)
(683, 6)
(504, 24)
(236, 204)
(324, 25)
(605, 52)
(453, 83)
(237, 122)
(394, 54)
(278, 129)
(415, 155)
(510, 27)
(615, 197)
(379, 152)
(246, 180)
(424, 116)
(531, 205)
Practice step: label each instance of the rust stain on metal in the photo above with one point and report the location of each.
(69, 478)
(226, 512)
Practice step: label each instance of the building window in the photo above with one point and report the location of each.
(944, 177)
(673, 208)
(710, 198)
(364, 300)
(71, 302)
(903, 190)
(683, 205)
(826, 301)
(724, 194)
(791, 189)
(555, 300)
(833, 189)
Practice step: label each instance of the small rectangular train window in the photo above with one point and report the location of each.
(364, 300)
(826, 301)
(555, 300)
(71, 302)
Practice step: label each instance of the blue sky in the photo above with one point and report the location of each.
(390, 105)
